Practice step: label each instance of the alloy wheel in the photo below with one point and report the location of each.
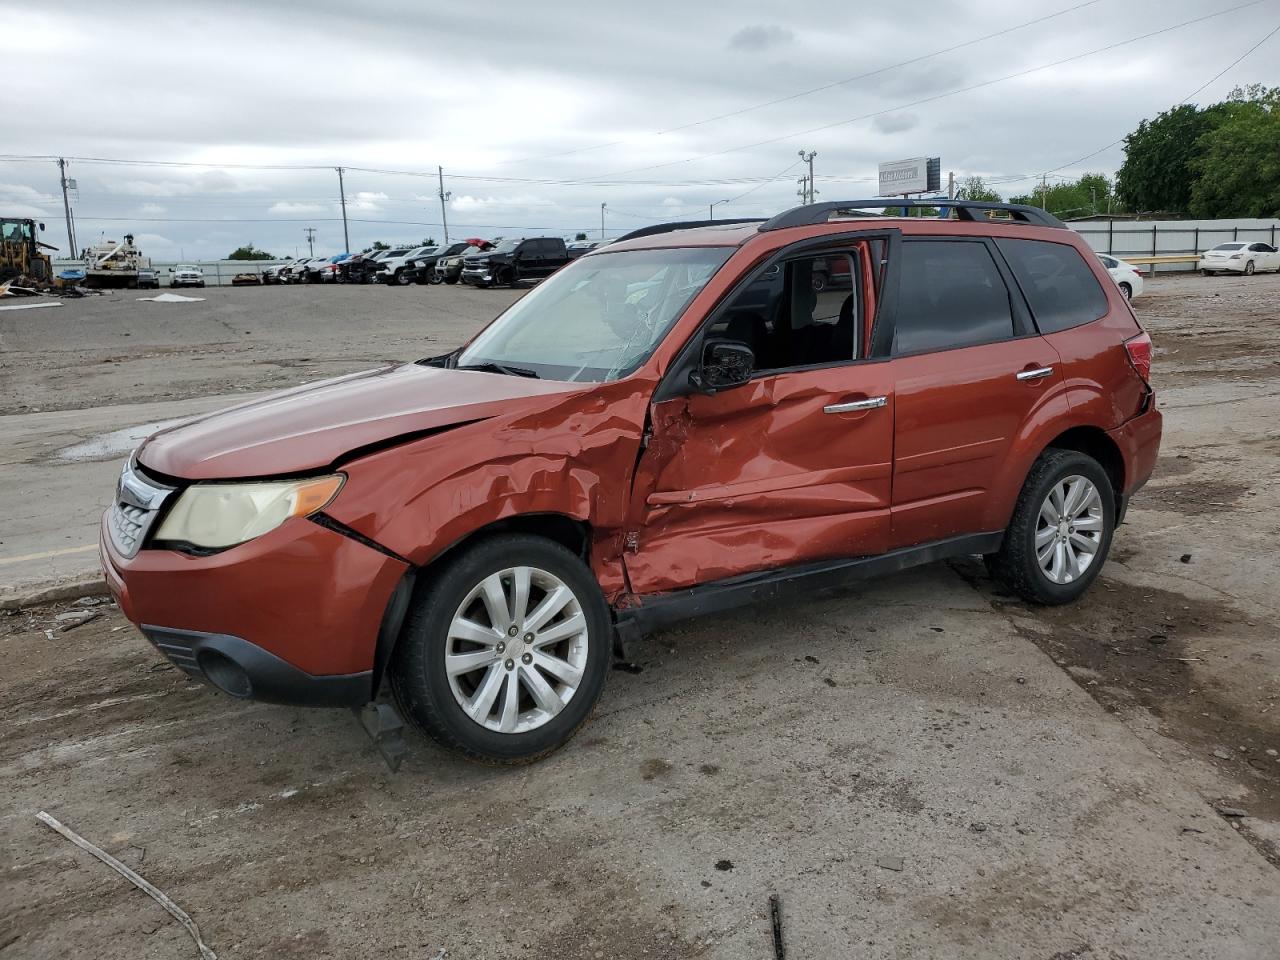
(516, 649)
(1069, 529)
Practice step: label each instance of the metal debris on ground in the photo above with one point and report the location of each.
(32, 306)
(891, 863)
(138, 881)
(171, 298)
(74, 618)
(775, 917)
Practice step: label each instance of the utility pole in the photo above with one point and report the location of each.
(66, 208)
(602, 206)
(311, 239)
(803, 192)
(951, 185)
(444, 215)
(342, 193)
(808, 158)
(1044, 191)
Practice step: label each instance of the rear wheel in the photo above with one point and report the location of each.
(505, 654)
(1061, 529)
(1127, 290)
(1248, 269)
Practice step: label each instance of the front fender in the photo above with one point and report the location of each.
(574, 457)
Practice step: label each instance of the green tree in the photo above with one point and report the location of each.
(1089, 195)
(580, 236)
(1237, 169)
(1158, 173)
(974, 188)
(429, 242)
(378, 247)
(249, 252)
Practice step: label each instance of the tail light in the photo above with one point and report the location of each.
(1139, 350)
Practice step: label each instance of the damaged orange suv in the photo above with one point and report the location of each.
(692, 418)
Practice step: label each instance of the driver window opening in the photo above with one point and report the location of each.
(799, 313)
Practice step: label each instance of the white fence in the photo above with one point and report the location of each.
(216, 272)
(1150, 238)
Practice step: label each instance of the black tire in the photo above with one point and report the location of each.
(418, 679)
(1127, 290)
(400, 279)
(1206, 273)
(434, 278)
(1248, 269)
(1015, 564)
(451, 280)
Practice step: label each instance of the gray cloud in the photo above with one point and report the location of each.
(480, 92)
(895, 122)
(760, 37)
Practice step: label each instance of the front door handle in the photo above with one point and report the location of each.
(868, 404)
(1037, 374)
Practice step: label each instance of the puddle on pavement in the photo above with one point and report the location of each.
(109, 446)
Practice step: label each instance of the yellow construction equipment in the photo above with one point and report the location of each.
(22, 255)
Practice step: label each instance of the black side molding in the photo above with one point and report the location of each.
(771, 585)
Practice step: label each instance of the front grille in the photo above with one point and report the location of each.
(137, 504)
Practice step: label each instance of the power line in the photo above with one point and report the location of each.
(819, 89)
(1234, 63)
(934, 97)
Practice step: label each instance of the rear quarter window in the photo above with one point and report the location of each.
(952, 295)
(1059, 286)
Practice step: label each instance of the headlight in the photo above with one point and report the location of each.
(224, 514)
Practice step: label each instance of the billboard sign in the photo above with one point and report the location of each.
(902, 177)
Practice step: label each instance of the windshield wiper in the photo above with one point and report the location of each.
(489, 367)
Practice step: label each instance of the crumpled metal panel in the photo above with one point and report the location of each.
(572, 455)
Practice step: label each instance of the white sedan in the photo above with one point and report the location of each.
(1240, 257)
(1127, 277)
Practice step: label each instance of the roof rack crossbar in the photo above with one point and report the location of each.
(657, 228)
(815, 213)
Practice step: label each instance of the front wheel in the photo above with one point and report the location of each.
(1061, 529)
(1206, 273)
(451, 280)
(400, 278)
(505, 654)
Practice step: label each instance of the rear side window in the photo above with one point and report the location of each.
(1059, 286)
(952, 295)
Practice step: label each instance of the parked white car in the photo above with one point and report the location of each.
(393, 268)
(186, 275)
(1240, 257)
(1127, 277)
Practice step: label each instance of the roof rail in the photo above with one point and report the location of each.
(683, 225)
(815, 213)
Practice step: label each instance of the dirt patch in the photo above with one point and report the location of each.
(1193, 498)
(1137, 648)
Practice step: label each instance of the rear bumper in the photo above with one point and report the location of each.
(1139, 443)
(290, 617)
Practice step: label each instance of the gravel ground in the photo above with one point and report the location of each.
(923, 766)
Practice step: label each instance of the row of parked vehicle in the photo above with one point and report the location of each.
(505, 262)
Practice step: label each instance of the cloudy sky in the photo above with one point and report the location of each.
(539, 113)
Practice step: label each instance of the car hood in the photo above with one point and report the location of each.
(317, 425)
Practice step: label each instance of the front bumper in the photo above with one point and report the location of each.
(476, 277)
(290, 617)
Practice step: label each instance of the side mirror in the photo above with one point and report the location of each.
(725, 364)
(42, 228)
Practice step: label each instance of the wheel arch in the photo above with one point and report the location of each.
(1094, 442)
(571, 533)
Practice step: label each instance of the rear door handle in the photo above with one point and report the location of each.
(868, 404)
(1038, 374)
